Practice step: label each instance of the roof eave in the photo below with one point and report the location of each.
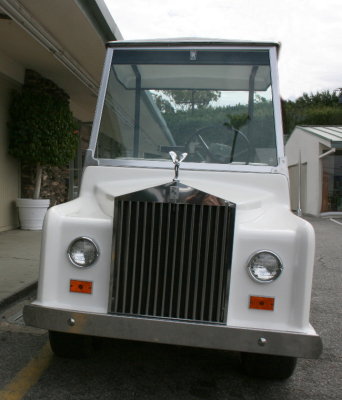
(99, 15)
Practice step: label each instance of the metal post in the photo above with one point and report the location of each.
(137, 111)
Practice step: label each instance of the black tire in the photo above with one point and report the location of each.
(268, 366)
(69, 345)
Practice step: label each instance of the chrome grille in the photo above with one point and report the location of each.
(171, 260)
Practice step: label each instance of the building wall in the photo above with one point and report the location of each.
(308, 148)
(9, 167)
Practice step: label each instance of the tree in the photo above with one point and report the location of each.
(321, 108)
(324, 98)
(42, 128)
(192, 99)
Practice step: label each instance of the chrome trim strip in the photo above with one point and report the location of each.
(175, 332)
(100, 101)
(165, 164)
(277, 104)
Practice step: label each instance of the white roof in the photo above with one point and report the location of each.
(331, 133)
(188, 41)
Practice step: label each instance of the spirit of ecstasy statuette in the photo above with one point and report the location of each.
(177, 161)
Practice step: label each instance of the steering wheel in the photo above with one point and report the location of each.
(204, 151)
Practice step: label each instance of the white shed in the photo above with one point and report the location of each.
(314, 156)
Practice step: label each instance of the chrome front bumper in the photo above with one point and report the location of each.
(175, 332)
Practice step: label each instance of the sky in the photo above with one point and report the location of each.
(310, 32)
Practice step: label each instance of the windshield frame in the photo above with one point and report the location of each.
(271, 48)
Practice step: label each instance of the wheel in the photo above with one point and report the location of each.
(268, 366)
(69, 345)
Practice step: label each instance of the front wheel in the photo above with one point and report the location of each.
(268, 366)
(69, 345)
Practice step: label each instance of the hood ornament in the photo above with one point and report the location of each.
(177, 161)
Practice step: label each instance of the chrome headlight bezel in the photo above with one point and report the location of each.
(253, 258)
(93, 258)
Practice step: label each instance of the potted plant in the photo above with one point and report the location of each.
(42, 133)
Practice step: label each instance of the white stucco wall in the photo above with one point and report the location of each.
(9, 167)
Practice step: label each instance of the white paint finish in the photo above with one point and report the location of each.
(263, 221)
(56, 270)
(292, 239)
(251, 192)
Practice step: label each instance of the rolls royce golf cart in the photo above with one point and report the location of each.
(182, 232)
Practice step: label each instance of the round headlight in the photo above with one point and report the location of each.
(265, 266)
(83, 252)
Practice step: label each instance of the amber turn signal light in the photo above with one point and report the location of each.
(261, 303)
(81, 286)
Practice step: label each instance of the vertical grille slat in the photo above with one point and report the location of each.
(206, 266)
(142, 260)
(174, 255)
(135, 256)
(168, 228)
(191, 243)
(181, 263)
(221, 266)
(214, 266)
(197, 263)
(117, 253)
(171, 260)
(159, 245)
(150, 259)
(127, 240)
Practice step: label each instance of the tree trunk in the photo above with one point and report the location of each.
(38, 181)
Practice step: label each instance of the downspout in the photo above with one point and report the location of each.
(332, 150)
(299, 208)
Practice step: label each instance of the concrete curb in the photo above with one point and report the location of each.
(24, 291)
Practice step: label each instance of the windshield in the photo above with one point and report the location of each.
(215, 105)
